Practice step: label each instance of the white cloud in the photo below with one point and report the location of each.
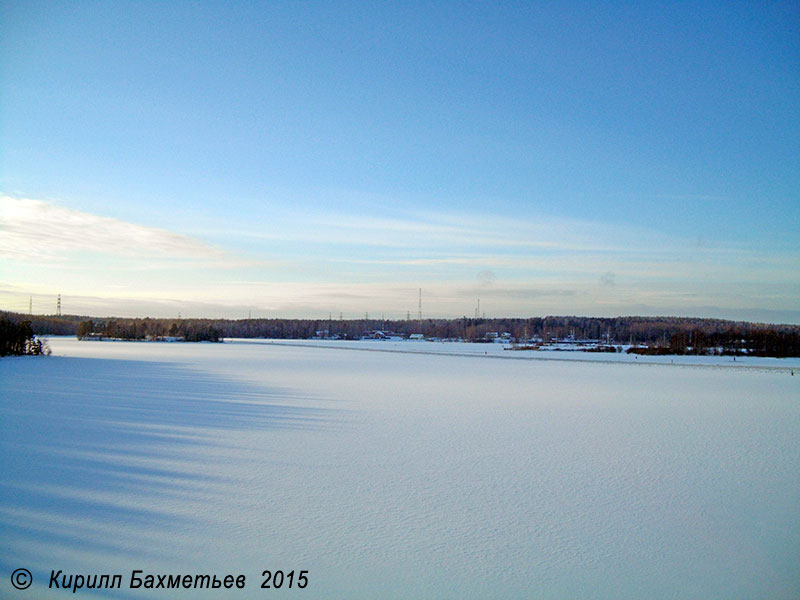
(356, 264)
(35, 230)
(456, 231)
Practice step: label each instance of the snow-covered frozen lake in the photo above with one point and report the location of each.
(507, 351)
(401, 474)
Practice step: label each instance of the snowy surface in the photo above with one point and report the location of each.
(423, 472)
(497, 350)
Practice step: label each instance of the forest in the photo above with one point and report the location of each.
(189, 330)
(662, 335)
(18, 339)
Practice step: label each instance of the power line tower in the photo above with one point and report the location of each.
(419, 311)
(58, 306)
(30, 305)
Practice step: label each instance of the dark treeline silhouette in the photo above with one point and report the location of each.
(673, 335)
(49, 324)
(190, 330)
(17, 339)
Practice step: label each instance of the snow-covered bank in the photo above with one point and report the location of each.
(400, 475)
(507, 351)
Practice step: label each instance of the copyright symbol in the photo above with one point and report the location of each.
(21, 579)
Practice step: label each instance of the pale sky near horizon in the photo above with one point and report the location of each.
(305, 159)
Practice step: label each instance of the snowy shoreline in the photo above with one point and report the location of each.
(499, 351)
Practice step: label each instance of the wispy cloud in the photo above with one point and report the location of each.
(36, 230)
(293, 264)
(455, 232)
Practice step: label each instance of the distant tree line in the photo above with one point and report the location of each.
(669, 335)
(17, 339)
(50, 324)
(191, 330)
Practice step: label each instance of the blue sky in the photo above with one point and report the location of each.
(291, 159)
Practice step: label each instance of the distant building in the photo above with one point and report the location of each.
(374, 335)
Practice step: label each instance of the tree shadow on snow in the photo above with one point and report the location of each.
(103, 456)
